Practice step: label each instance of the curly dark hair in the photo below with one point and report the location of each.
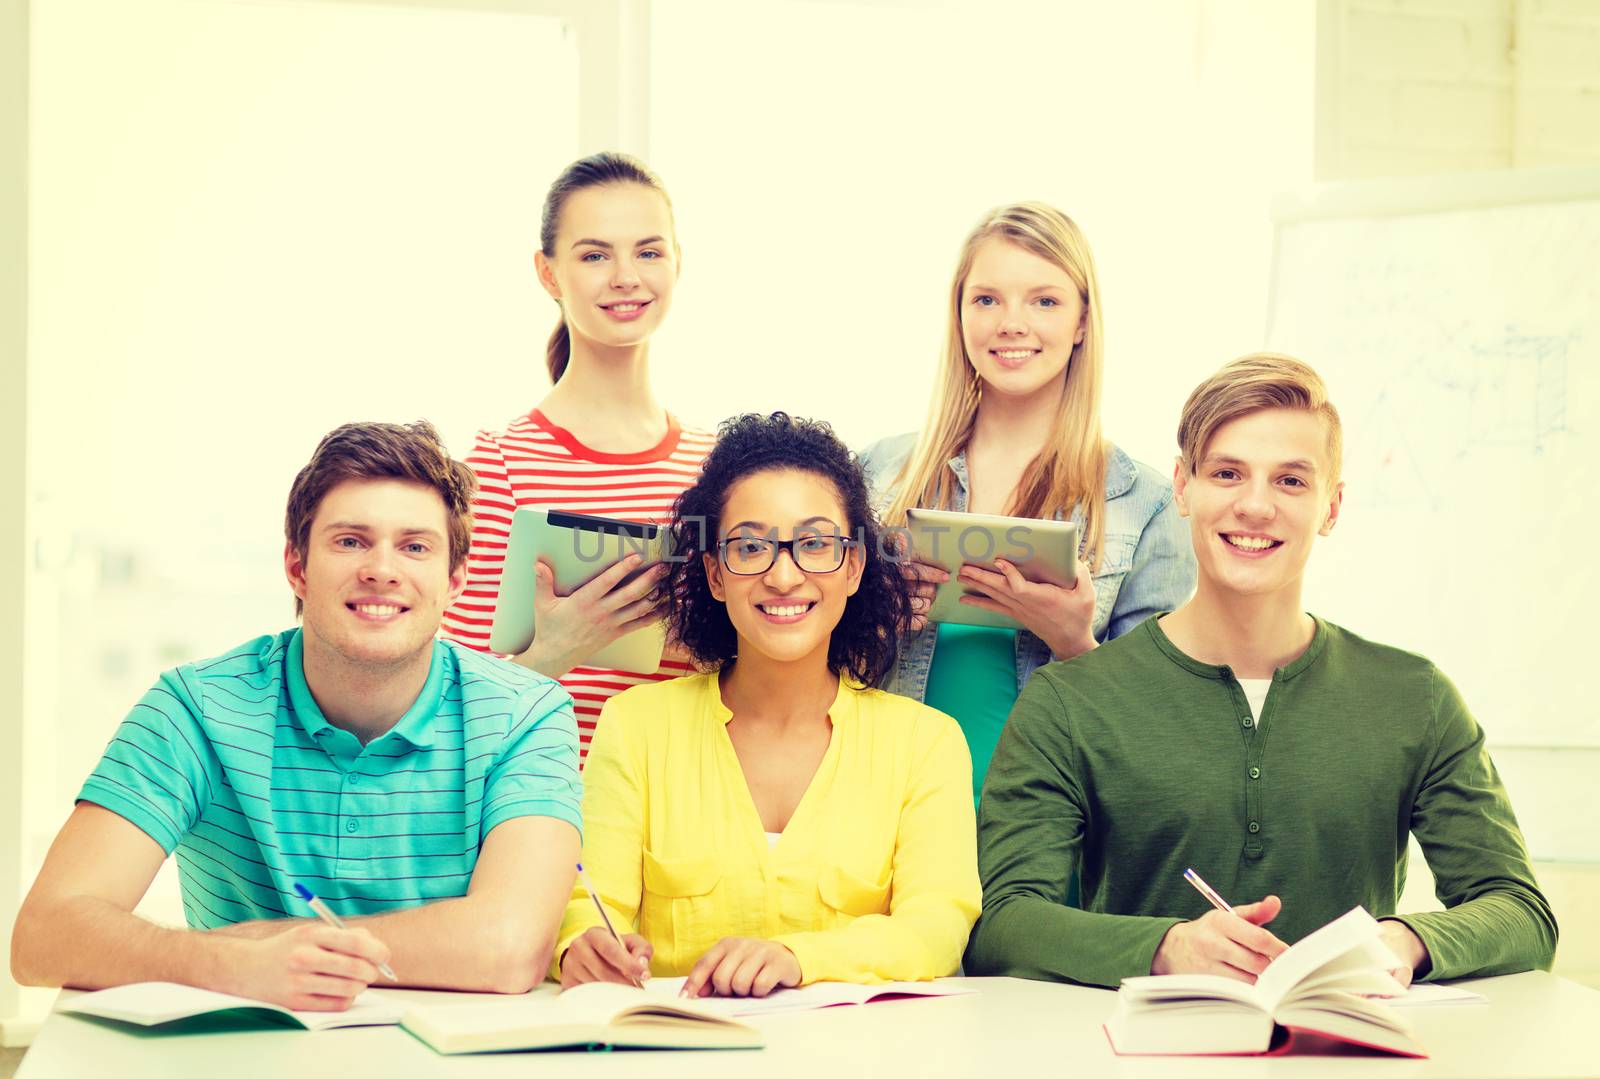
(865, 641)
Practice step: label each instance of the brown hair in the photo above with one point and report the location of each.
(596, 170)
(1249, 384)
(1070, 468)
(382, 451)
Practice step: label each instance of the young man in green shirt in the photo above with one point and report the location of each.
(1284, 758)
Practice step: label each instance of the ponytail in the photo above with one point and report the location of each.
(594, 171)
(558, 351)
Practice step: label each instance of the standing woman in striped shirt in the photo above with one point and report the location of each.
(600, 442)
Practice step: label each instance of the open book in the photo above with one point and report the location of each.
(153, 1003)
(816, 995)
(1320, 986)
(597, 1014)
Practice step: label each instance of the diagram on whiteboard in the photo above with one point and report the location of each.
(1462, 349)
(1519, 395)
(1506, 393)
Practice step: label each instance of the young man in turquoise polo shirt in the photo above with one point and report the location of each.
(427, 793)
(1285, 759)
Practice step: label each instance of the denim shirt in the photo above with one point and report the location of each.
(1147, 568)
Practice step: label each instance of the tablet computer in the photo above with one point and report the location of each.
(1044, 551)
(579, 548)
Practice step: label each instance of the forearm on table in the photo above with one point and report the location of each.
(89, 943)
(478, 944)
(1500, 932)
(1028, 936)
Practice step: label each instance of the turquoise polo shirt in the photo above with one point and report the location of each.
(230, 765)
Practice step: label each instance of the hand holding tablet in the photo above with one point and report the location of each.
(1005, 572)
(1061, 617)
(578, 589)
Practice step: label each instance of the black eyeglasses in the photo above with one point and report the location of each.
(747, 556)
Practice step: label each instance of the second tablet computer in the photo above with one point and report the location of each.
(1042, 551)
(579, 548)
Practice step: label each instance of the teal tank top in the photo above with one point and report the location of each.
(973, 678)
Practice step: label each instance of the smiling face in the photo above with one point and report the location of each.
(786, 614)
(614, 265)
(1021, 317)
(1260, 494)
(375, 577)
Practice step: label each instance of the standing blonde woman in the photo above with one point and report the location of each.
(1014, 428)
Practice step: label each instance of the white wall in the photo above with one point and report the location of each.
(250, 223)
(1424, 86)
(826, 160)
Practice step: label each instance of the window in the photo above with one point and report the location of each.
(250, 223)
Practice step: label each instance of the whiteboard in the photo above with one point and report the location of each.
(1457, 324)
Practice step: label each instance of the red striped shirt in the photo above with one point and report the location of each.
(534, 464)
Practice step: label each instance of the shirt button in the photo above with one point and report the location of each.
(1254, 827)
(1247, 722)
(354, 826)
(1255, 773)
(355, 778)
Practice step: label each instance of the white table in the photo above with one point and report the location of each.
(1535, 1024)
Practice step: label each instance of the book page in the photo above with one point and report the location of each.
(1428, 994)
(154, 1003)
(1155, 988)
(490, 1016)
(1196, 1025)
(829, 995)
(1355, 930)
(367, 1010)
(1364, 970)
(603, 1003)
(1353, 1018)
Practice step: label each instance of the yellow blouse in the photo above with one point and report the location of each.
(874, 879)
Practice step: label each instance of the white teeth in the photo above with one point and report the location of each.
(785, 612)
(379, 610)
(1015, 354)
(626, 307)
(1249, 543)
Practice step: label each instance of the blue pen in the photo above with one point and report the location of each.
(1206, 890)
(325, 912)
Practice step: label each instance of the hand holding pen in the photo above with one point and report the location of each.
(313, 966)
(325, 912)
(1228, 940)
(600, 954)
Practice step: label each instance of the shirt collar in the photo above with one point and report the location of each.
(1120, 471)
(1319, 641)
(844, 708)
(416, 726)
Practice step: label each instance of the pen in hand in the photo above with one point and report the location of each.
(584, 877)
(1206, 890)
(325, 912)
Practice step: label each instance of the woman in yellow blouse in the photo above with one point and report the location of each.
(772, 822)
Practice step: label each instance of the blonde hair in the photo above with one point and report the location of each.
(1070, 468)
(1249, 384)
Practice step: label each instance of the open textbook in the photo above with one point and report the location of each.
(624, 1016)
(1321, 986)
(817, 995)
(597, 1014)
(154, 1003)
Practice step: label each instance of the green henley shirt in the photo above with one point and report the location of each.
(1134, 761)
